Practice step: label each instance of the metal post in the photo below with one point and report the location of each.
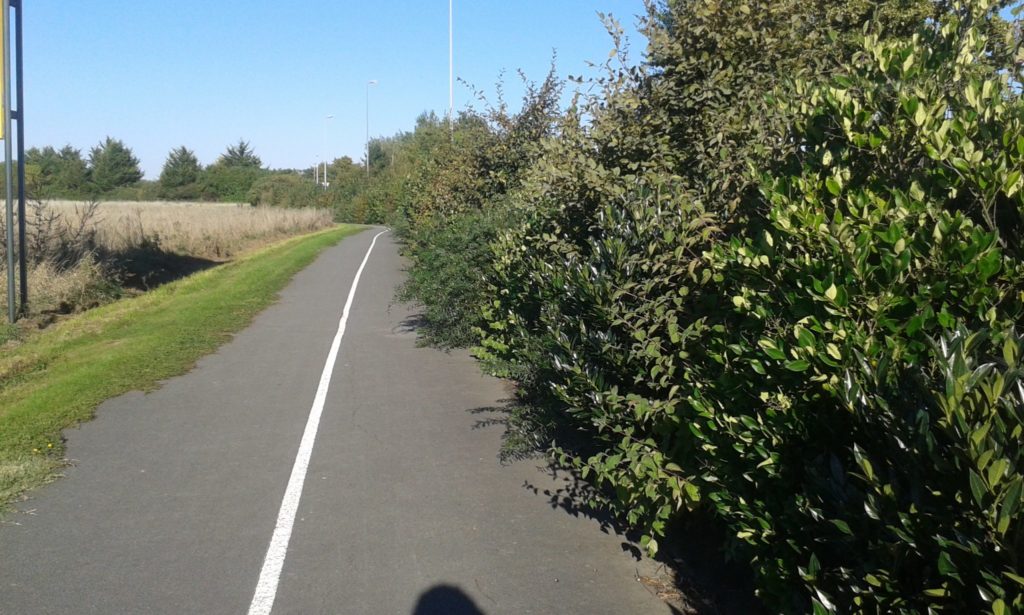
(9, 175)
(368, 84)
(367, 130)
(326, 124)
(451, 73)
(19, 71)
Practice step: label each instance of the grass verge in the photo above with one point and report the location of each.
(58, 378)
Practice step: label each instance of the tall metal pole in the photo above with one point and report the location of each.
(368, 84)
(9, 175)
(327, 121)
(451, 72)
(19, 72)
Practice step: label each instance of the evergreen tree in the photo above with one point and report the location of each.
(180, 169)
(240, 155)
(72, 171)
(112, 165)
(56, 173)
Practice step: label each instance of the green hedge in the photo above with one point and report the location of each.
(283, 190)
(822, 353)
(773, 274)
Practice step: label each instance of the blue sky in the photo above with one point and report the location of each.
(204, 73)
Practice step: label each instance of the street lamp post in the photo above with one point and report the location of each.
(326, 123)
(451, 70)
(368, 84)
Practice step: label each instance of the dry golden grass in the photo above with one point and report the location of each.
(63, 235)
(54, 291)
(83, 285)
(205, 230)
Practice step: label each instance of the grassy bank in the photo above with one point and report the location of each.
(58, 378)
(86, 254)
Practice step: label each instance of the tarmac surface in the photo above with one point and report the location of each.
(172, 497)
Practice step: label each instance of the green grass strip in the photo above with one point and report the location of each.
(57, 378)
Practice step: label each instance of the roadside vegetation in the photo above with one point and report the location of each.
(113, 302)
(84, 254)
(110, 172)
(57, 377)
(771, 274)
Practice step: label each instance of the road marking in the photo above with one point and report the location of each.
(270, 575)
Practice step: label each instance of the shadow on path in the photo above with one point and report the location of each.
(412, 324)
(694, 576)
(445, 600)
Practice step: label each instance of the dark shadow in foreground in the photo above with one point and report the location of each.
(445, 600)
(694, 577)
(148, 266)
(412, 324)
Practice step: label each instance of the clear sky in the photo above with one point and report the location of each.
(203, 73)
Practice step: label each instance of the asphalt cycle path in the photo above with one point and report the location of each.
(320, 462)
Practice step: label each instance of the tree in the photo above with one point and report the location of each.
(283, 190)
(72, 171)
(220, 182)
(347, 178)
(181, 170)
(56, 173)
(240, 155)
(41, 166)
(112, 165)
(46, 159)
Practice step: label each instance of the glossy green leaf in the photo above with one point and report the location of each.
(833, 186)
(978, 487)
(797, 366)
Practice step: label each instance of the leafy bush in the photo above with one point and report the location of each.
(283, 190)
(232, 184)
(822, 354)
(774, 273)
(453, 206)
(139, 191)
(451, 255)
(845, 456)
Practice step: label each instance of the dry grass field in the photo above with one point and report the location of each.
(84, 254)
(205, 230)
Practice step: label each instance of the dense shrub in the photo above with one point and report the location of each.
(139, 191)
(451, 255)
(231, 184)
(283, 190)
(821, 352)
(773, 273)
(453, 205)
(859, 470)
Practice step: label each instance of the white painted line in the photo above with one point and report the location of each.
(270, 575)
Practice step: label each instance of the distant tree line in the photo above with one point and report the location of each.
(111, 171)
